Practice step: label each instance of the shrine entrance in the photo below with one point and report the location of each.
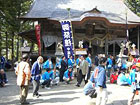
(98, 36)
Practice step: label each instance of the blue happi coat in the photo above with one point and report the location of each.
(132, 80)
(47, 65)
(45, 76)
(99, 76)
(36, 71)
(52, 76)
(110, 63)
(71, 62)
(77, 61)
(88, 59)
(66, 74)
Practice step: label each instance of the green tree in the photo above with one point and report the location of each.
(134, 5)
(11, 25)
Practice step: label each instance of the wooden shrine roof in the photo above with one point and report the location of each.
(112, 10)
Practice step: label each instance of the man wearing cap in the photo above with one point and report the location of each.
(23, 78)
(36, 75)
(134, 82)
(68, 75)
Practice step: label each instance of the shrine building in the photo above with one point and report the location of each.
(101, 24)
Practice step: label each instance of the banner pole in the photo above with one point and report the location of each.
(71, 32)
(72, 39)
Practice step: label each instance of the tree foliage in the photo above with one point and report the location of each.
(11, 25)
(134, 5)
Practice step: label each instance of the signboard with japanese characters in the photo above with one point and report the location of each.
(82, 51)
(25, 49)
(67, 38)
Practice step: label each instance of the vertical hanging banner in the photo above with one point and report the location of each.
(37, 33)
(67, 38)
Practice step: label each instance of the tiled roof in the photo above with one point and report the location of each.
(113, 10)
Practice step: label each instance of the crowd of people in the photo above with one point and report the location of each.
(47, 74)
(117, 73)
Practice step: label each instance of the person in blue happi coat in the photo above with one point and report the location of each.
(99, 78)
(78, 60)
(96, 60)
(71, 61)
(46, 79)
(2, 62)
(68, 75)
(134, 81)
(109, 65)
(36, 75)
(124, 66)
(88, 59)
(48, 65)
(122, 79)
(58, 63)
(54, 75)
(88, 87)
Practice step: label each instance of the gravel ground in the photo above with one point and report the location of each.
(62, 94)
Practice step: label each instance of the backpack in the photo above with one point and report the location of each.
(93, 93)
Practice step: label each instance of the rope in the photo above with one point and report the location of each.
(93, 38)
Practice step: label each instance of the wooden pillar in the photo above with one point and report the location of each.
(41, 33)
(138, 37)
(114, 49)
(106, 46)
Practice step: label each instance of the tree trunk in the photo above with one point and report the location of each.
(13, 51)
(0, 42)
(17, 49)
(6, 45)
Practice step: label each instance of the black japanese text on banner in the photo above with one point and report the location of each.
(67, 38)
